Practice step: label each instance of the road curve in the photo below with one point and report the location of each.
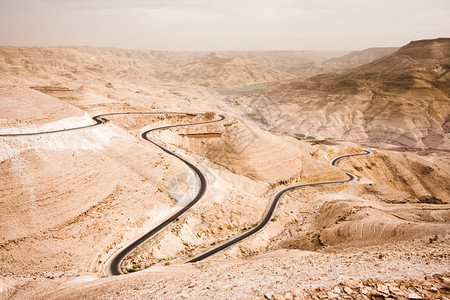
(269, 213)
(99, 119)
(113, 267)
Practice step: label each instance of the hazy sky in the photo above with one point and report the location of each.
(221, 24)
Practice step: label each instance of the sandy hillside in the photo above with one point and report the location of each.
(26, 107)
(72, 199)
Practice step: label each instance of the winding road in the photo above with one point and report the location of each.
(113, 266)
(270, 211)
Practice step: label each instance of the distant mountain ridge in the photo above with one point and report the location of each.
(226, 69)
(350, 60)
(366, 56)
(216, 70)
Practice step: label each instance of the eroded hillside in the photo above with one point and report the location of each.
(401, 99)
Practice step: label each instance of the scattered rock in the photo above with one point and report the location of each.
(395, 290)
(382, 289)
(49, 275)
(332, 295)
(354, 284)
(446, 281)
(278, 297)
(430, 287)
(299, 293)
(414, 296)
(348, 290)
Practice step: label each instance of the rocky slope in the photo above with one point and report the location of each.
(402, 99)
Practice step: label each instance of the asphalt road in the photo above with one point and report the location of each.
(113, 267)
(99, 119)
(114, 264)
(269, 213)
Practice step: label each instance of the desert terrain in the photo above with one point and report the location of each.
(74, 193)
